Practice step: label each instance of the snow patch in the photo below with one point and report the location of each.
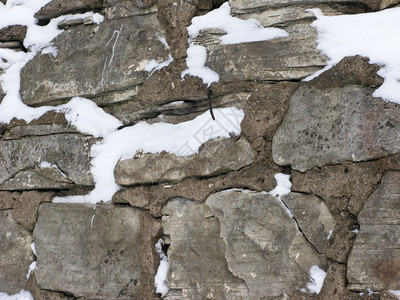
(182, 139)
(374, 35)
(317, 276)
(88, 118)
(31, 268)
(283, 185)
(161, 275)
(22, 295)
(237, 31)
(395, 293)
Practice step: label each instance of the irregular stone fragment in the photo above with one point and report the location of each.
(70, 152)
(16, 254)
(102, 252)
(292, 58)
(374, 260)
(214, 158)
(176, 17)
(265, 109)
(13, 33)
(37, 178)
(196, 261)
(239, 6)
(26, 207)
(335, 125)
(126, 8)
(8, 200)
(39, 294)
(56, 8)
(312, 216)
(388, 3)
(101, 53)
(263, 244)
(345, 186)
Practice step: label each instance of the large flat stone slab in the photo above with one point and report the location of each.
(101, 252)
(95, 60)
(263, 244)
(21, 158)
(215, 157)
(16, 253)
(197, 267)
(374, 261)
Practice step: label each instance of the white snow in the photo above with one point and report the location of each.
(374, 35)
(22, 295)
(31, 268)
(182, 139)
(237, 31)
(283, 185)
(161, 275)
(33, 248)
(154, 65)
(45, 164)
(329, 234)
(395, 293)
(88, 118)
(317, 276)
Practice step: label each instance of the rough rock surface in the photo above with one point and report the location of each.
(351, 125)
(197, 266)
(214, 158)
(102, 252)
(374, 260)
(16, 254)
(108, 64)
(265, 110)
(259, 235)
(70, 152)
(57, 8)
(13, 33)
(312, 216)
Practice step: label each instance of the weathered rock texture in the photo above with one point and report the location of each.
(374, 259)
(103, 253)
(215, 158)
(225, 236)
(16, 254)
(259, 235)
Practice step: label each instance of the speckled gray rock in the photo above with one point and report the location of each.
(57, 8)
(16, 253)
(374, 260)
(215, 157)
(21, 157)
(312, 216)
(263, 244)
(334, 125)
(94, 252)
(197, 268)
(95, 60)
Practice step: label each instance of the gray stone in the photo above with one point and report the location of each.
(241, 6)
(335, 125)
(312, 216)
(196, 261)
(70, 152)
(263, 244)
(265, 109)
(126, 8)
(101, 252)
(16, 254)
(57, 8)
(13, 33)
(37, 178)
(214, 158)
(11, 45)
(388, 3)
(292, 58)
(374, 260)
(109, 55)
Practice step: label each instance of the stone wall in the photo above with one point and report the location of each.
(225, 236)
